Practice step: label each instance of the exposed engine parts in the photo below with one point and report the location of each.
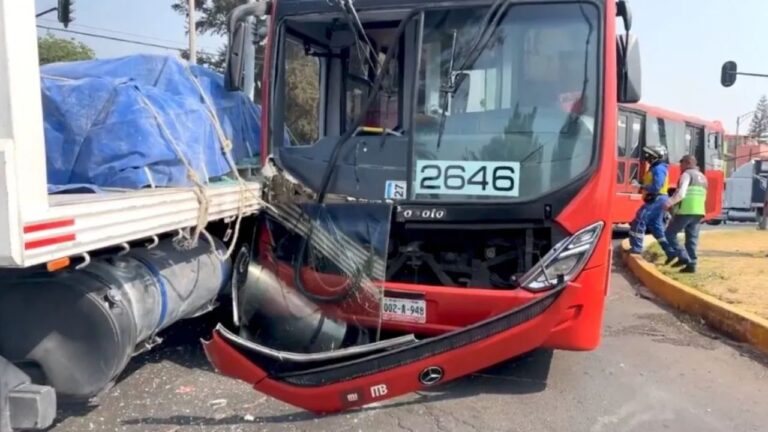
(477, 258)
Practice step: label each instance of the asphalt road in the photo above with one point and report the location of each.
(655, 371)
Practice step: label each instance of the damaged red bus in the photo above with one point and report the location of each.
(439, 182)
(644, 125)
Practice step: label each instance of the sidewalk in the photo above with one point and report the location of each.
(733, 267)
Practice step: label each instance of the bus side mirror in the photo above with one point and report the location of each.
(629, 69)
(236, 50)
(239, 38)
(625, 13)
(728, 73)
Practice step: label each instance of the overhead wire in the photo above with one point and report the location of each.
(108, 30)
(124, 40)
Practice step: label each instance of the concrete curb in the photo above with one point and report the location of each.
(734, 322)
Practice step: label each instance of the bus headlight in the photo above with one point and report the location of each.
(564, 261)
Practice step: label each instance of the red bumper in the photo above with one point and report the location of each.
(569, 318)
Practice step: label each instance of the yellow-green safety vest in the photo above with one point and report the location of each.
(695, 201)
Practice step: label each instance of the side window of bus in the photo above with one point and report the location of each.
(621, 141)
(302, 94)
(637, 133)
(656, 132)
(677, 143)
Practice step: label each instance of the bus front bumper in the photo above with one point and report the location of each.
(568, 317)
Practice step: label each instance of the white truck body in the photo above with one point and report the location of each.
(36, 228)
(106, 233)
(738, 199)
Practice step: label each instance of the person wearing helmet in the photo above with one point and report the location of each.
(654, 189)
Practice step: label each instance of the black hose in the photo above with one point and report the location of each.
(331, 167)
(383, 72)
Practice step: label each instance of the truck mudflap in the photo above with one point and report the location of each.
(359, 377)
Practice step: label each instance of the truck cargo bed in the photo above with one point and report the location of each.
(78, 223)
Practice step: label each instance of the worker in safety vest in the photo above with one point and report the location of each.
(689, 205)
(654, 188)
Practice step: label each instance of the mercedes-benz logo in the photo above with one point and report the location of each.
(431, 375)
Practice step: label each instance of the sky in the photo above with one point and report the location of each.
(683, 45)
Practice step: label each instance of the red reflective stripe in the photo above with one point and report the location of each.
(45, 226)
(37, 244)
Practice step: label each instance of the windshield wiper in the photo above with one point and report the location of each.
(448, 89)
(451, 83)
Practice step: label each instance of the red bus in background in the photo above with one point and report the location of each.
(644, 125)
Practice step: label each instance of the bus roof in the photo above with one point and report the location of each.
(715, 126)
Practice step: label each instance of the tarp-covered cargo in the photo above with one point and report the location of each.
(131, 122)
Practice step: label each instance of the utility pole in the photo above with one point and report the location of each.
(192, 33)
(738, 124)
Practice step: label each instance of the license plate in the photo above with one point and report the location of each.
(405, 310)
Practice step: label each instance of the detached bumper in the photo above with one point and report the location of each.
(361, 381)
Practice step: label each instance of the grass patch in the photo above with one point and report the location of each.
(732, 267)
(705, 276)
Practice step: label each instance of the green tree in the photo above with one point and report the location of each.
(302, 74)
(213, 18)
(302, 94)
(52, 49)
(759, 125)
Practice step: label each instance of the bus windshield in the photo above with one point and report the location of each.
(520, 121)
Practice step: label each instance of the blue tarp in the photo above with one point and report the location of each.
(121, 123)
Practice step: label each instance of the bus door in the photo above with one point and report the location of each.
(629, 142)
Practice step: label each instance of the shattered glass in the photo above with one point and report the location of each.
(314, 283)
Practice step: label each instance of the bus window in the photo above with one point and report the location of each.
(676, 140)
(302, 117)
(635, 142)
(621, 142)
(656, 132)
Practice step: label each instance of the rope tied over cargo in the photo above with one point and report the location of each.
(200, 189)
(226, 147)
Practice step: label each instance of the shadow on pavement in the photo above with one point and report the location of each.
(523, 375)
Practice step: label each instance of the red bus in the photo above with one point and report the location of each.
(643, 125)
(440, 200)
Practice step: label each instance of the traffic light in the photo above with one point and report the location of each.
(728, 73)
(65, 12)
